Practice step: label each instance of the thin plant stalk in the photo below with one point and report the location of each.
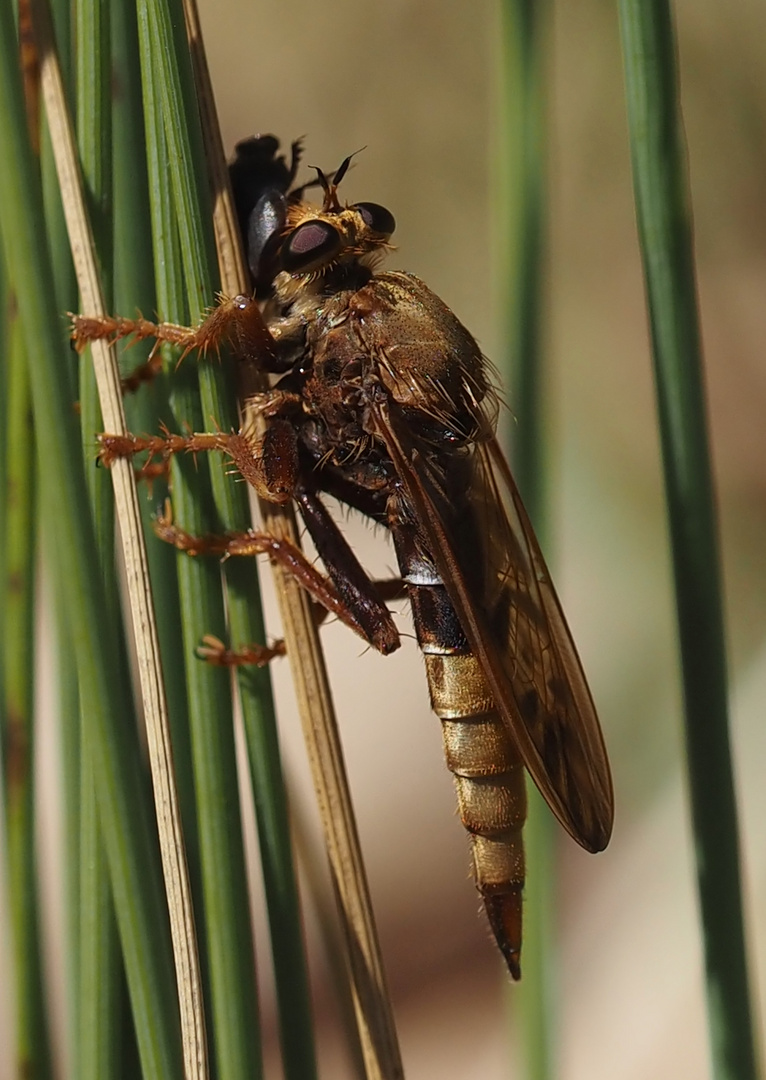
(246, 624)
(663, 208)
(100, 965)
(147, 409)
(374, 1016)
(67, 693)
(134, 289)
(123, 807)
(522, 139)
(98, 1048)
(136, 578)
(202, 502)
(32, 1051)
(68, 699)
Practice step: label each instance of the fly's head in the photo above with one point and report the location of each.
(318, 251)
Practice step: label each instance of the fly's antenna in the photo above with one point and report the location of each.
(330, 186)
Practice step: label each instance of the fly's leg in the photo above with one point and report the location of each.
(353, 584)
(271, 466)
(320, 588)
(142, 373)
(268, 464)
(161, 448)
(215, 652)
(236, 322)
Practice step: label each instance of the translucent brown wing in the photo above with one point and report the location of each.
(497, 579)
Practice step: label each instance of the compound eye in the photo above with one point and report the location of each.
(310, 246)
(265, 223)
(376, 218)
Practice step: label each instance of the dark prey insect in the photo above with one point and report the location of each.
(385, 402)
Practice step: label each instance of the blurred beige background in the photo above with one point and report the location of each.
(416, 85)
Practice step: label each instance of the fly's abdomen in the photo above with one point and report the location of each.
(489, 776)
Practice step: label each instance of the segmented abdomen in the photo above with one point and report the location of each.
(489, 776)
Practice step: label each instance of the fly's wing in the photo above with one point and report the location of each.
(513, 620)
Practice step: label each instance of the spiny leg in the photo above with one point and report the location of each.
(166, 445)
(283, 552)
(269, 464)
(142, 373)
(352, 582)
(234, 321)
(271, 467)
(215, 652)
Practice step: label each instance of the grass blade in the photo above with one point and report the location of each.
(665, 232)
(100, 962)
(134, 290)
(522, 138)
(200, 510)
(374, 1017)
(121, 787)
(32, 1052)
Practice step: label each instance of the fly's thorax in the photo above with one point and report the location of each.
(425, 358)
(334, 393)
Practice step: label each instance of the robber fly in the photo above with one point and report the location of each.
(385, 402)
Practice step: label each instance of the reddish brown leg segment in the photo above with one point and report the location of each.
(271, 468)
(142, 373)
(237, 322)
(215, 652)
(242, 447)
(283, 552)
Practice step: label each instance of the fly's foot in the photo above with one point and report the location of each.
(213, 651)
(142, 373)
(222, 545)
(164, 446)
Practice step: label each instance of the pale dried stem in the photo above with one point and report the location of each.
(374, 1014)
(136, 568)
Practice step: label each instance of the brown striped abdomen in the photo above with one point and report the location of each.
(489, 776)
